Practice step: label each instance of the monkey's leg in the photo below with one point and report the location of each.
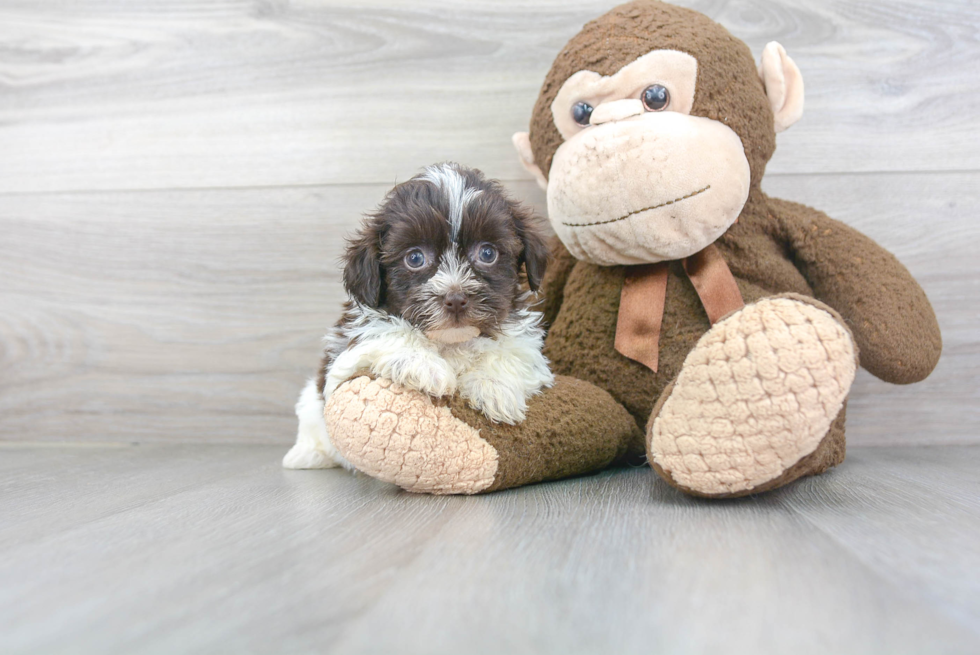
(402, 436)
(759, 401)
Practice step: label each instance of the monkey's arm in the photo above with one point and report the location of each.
(560, 265)
(886, 309)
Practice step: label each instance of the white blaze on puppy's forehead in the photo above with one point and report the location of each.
(452, 183)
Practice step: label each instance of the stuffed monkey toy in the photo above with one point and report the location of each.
(693, 320)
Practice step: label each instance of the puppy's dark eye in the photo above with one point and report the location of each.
(581, 113)
(487, 254)
(655, 97)
(415, 259)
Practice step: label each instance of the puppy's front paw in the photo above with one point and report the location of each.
(501, 403)
(421, 370)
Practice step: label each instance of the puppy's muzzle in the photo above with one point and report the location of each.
(456, 329)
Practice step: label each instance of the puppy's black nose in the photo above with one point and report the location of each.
(455, 303)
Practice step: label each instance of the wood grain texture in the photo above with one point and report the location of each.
(176, 180)
(236, 555)
(196, 315)
(237, 93)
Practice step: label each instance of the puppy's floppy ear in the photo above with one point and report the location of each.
(363, 275)
(534, 255)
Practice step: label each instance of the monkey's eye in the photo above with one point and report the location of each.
(487, 254)
(581, 113)
(655, 97)
(415, 259)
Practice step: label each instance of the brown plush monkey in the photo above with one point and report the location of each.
(693, 319)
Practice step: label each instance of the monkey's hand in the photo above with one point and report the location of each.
(893, 323)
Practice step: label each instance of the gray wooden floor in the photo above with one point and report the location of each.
(215, 549)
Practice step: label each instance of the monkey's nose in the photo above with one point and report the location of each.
(616, 110)
(456, 303)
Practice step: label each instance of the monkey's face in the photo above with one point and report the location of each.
(638, 179)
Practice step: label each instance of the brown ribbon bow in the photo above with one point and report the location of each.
(641, 305)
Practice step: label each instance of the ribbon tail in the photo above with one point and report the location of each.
(714, 282)
(641, 312)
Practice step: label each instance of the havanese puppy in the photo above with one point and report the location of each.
(440, 280)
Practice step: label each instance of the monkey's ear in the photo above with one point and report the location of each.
(522, 141)
(534, 254)
(362, 268)
(784, 85)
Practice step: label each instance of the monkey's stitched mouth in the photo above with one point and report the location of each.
(623, 218)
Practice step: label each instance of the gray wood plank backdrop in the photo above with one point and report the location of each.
(176, 179)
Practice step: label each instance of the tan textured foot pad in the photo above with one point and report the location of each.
(397, 435)
(758, 393)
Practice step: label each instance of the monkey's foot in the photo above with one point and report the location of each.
(398, 435)
(755, 403)
(423, 445)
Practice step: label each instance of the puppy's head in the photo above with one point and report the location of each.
(448, 251)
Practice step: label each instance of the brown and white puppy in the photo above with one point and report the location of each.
(436, 279)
